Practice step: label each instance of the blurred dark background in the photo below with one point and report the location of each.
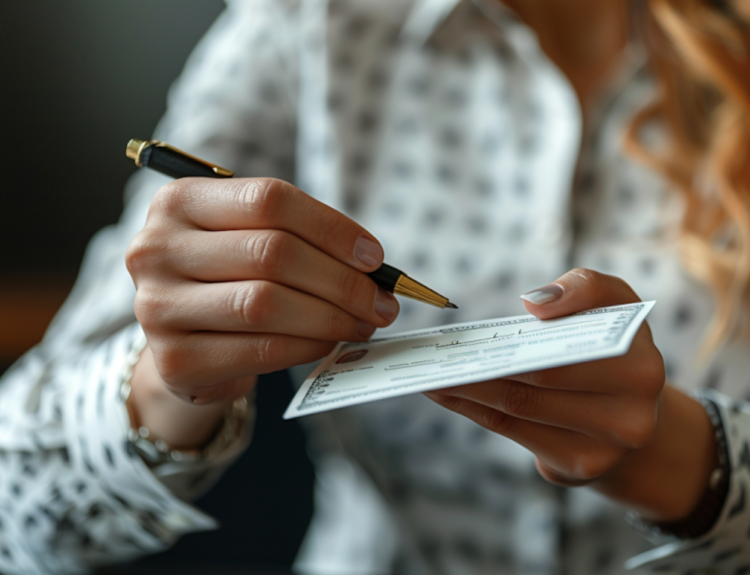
(80, 78)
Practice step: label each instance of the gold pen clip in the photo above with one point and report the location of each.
(135, 147)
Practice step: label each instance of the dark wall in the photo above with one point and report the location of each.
(79, 79)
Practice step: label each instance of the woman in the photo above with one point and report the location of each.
(479, 145)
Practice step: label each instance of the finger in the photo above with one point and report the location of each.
(256, 307)
(283, 258)
(638, 372)
(220, 393)
(628, 422)
(557, 478)
(192, 364)
(265, 203)
(571, 455)
(578, 290)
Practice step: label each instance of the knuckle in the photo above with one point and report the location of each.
(350, 287)
(519, 400)
(169, 199)
(590, 465)
(143, 250)
(649, 376)
(173, 361)
(267, 250)
(656, 375)
(585, 467)
(338, 325)
(538, 378)
(150, 309)
(636, 431)
(497, 421)
(585, 273)
(251, 302)
(268, 355)
(552, 377)
(552, 476)
(259, 197)
(448, 401)
(622, 284)
(453, 392)
(601, 284)
(594, 280)
(331, 229)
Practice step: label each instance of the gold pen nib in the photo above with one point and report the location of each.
(408, 287)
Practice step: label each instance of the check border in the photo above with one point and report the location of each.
(318, 386)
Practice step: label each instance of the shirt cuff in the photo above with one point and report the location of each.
(96, 426)
(188, 475)
(725, 546)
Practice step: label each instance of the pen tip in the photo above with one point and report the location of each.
(451, 305)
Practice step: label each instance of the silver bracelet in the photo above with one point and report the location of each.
(157, 452)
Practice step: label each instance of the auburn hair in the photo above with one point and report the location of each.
(699, 51)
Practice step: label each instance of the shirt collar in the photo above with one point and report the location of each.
(426, 17)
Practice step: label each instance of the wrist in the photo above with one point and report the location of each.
(666, 480)
(708, 510)
(169, 419)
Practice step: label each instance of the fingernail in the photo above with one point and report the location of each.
(368, 252)
(386, 305)
(544, 294)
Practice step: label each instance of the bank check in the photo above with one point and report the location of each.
(464, 353)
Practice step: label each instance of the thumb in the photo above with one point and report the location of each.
(578, 290)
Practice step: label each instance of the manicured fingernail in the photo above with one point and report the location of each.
(386, 305)
(365, 329)
(544, 294)
(368, 252)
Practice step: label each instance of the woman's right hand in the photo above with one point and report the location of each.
(240, 277)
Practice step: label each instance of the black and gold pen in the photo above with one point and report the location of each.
(173, 162)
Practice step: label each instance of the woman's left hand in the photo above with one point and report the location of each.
(581, 421)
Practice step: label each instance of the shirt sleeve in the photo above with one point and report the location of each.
(72, 493)
(726, 547)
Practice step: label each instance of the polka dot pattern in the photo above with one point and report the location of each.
(450, 136)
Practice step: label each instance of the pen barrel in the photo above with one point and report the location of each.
(397, 282)
(174, 164)
(386, 277)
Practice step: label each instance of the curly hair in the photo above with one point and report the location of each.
(700, 54)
